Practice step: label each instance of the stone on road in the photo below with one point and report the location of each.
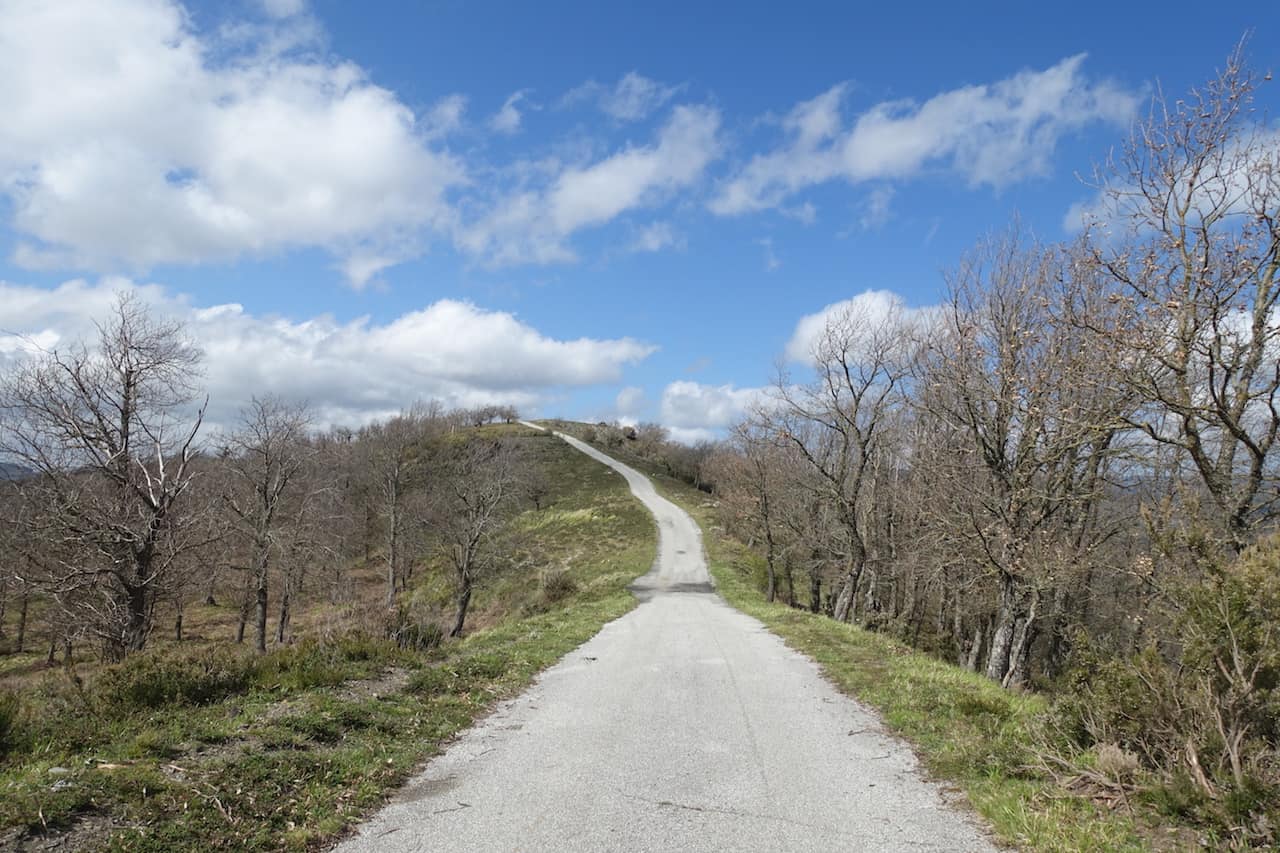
(685, 726)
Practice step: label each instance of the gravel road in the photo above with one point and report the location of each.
(682, 726)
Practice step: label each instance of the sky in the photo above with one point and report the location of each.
(592, 210)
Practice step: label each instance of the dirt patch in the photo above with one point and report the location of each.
(90, 831)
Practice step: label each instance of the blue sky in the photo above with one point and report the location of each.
(590, 209)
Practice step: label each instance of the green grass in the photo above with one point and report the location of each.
(216, 749)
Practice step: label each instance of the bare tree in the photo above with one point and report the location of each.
(1035, 422)
(748, 478)
(477, 481)
(109, 433)
(395, 451)
(265, 458)
(834, 424)
(1189, 238)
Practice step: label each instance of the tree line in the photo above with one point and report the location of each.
(1065, 473)
(115, 503)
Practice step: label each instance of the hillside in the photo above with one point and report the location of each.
(201, 744)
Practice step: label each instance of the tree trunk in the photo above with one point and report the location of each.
(286, 606)
(464, 599)
(788, 577)
(177, 623)
(848, 597)
(137, 599)
(260, 613)
(975, 650)
(20, 641)
(815, 583)
(393, 546)
(1007, 618)
(771, 590)
(1024, 636)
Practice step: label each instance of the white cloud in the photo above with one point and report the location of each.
(1240, 183)
(351, 371)
(532, 225)
(630, 404)
(655, 237)
(697, 411)
(633, 98)
(126, 144)
(875, 211)
(771, 261)
(692, 435)
(872, 307)
(444, 117)
(284, 8)
(992, 135)
(507, 119)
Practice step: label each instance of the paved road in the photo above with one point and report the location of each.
(682, 726)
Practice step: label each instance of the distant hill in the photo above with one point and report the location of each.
(10, 471)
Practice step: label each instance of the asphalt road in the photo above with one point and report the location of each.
(682, 726)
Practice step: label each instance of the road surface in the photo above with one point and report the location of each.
(682, 726)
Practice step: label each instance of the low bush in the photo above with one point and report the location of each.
(153, 680)
(321, 663)
(413, 631)
(1205, 722)
(557, 585)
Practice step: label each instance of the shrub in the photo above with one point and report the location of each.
(1208, 722)
(412, 631)
(320, 663)
(153, 680)
(557, 585)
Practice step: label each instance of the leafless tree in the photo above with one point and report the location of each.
(1189, 241)
(395, 454)
(476, 483)
(265, 458)
(1037, 429)
(834, 423)
(109, 433)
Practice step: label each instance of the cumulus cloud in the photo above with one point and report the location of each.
(131, 140)
(873, 307)
(532, 225)
(630, 404)
(992, 135)
(632, 98)
(351, 372)
(693, 411)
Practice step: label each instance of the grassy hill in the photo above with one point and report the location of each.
(202, 744)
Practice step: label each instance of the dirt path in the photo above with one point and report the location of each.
(684, 725)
